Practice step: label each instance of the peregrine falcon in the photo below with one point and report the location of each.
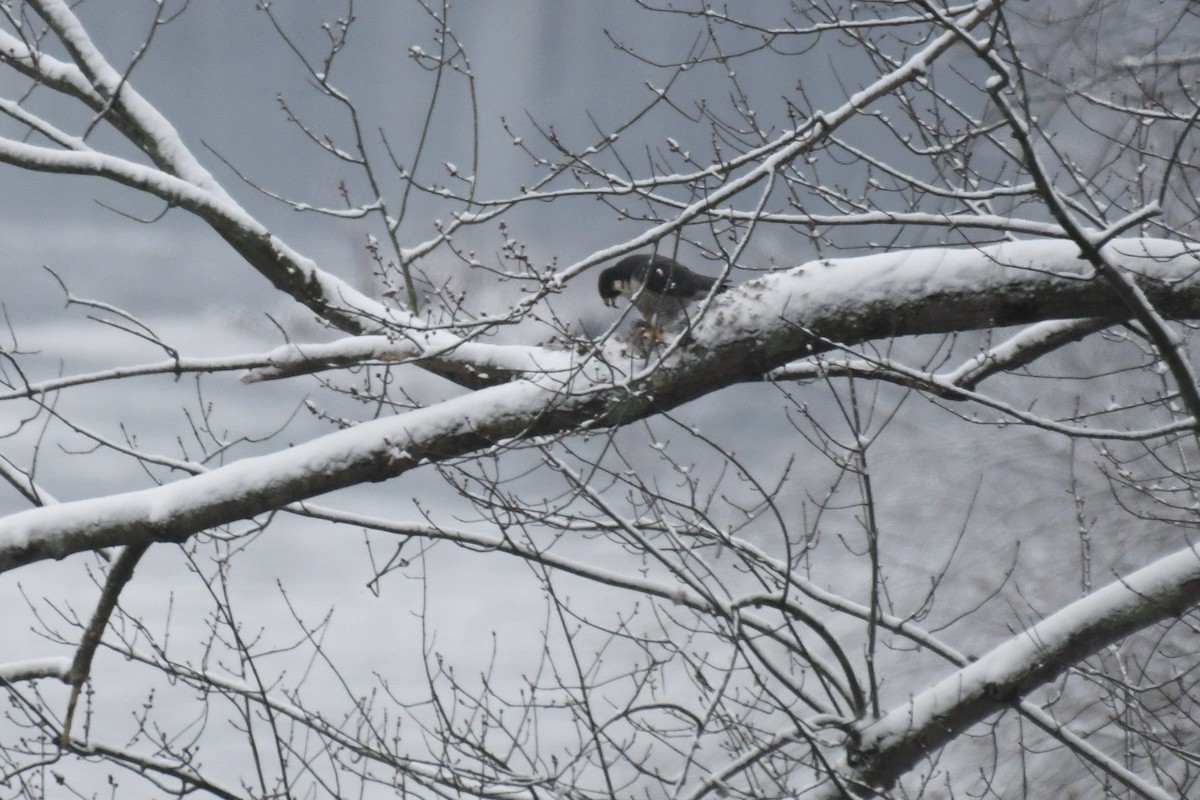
(659, 287)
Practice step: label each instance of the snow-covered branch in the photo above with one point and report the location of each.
(748, 332)
(889, 747)
(32, 669)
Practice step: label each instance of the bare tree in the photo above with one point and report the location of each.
(927, 531)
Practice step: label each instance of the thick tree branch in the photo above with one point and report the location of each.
(894, 744)
(762, 325)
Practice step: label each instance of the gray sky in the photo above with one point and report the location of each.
(216, 73)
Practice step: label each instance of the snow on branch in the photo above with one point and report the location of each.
(894, 744)
(135, 117)
(32, 669)
(747, 332)
(482, 363)
(1023, 348)
(174, 175)
(286, 269)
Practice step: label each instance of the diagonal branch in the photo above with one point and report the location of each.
(749, 331)
(81, 666)
(893, 745)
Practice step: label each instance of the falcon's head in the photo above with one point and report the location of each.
(614, 283)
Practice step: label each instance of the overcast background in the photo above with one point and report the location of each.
(216, 72)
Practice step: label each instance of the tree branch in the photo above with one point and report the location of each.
(893, 745)
(749, 331)
(81, 666)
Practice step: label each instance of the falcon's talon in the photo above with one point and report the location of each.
(643, 338)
